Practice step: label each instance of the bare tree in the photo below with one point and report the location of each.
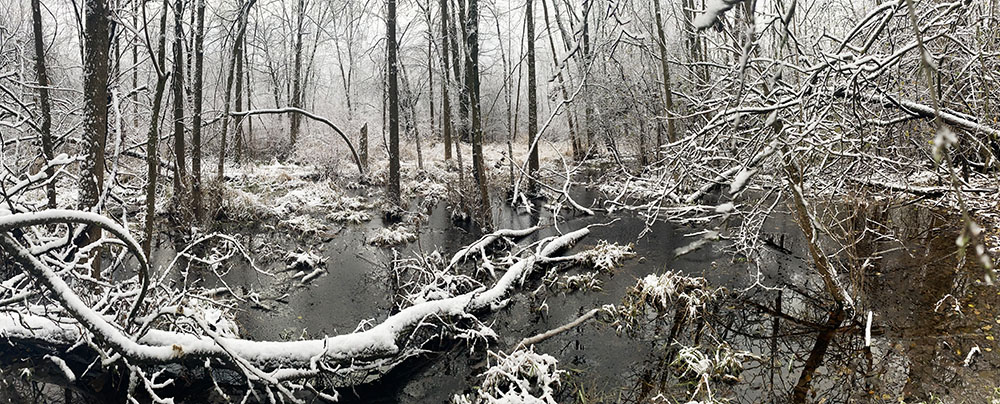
(529, 20)
(393, 89)
(95, 133)
(43, 100)
(668, 98)
(153, 135)
(177, 86)
(296, 95)
(446, 117)
(196, 119)
(237, 54)
(472, 82)
(563, 83)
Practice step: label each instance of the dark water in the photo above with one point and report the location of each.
(917, 352)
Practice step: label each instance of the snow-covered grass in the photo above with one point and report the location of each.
(349, 216)
(607, 256)
(635, 189)
(350, 210)
(305, 225)
(586, 281)
(661, 293)
(244, 206)
(522, 376)
(724, 364)
(391, 236)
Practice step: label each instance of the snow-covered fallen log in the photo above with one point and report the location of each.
(480, 245)
(269, 363)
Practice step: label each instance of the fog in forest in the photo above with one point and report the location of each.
(499, 201)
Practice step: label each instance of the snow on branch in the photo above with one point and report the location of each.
(714, 10)
(268, 363)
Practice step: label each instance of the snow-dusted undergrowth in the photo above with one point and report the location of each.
(391, 236)
(522, 376)
(662, 293)
(607, 256)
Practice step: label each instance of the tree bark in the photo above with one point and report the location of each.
(532, 100)
(472, 78)
(238, 93)
(226, 107)
(668, 98)
(464, 97)
(153, 136)
(95, 111)
(297, 72)
(43, 101)
(430, 71)
(445, 102)
(177, 86)
(394, 196)
(588, 110)
(363, 145)
(199, 63)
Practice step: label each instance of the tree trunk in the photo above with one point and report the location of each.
(297, 72)
(430, 72)
(248, 148)
(464, 100)
(445, 102)
(363, 145)
(43, 100)
(394, 196)
(588, 110)
(574, 142)
(177, 85)
(238, 93)
(472, 76)
(668, 98)
(533, 165)
(199, 60)
(411, 115)
(95, 113)
(226, 107)
(153, 136)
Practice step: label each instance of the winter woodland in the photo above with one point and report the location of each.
(499, 201)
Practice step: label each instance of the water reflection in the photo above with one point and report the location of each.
(929, 310)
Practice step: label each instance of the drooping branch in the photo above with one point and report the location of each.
(49, 216)
(327, 122)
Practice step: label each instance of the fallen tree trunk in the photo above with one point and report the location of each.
(266, 362)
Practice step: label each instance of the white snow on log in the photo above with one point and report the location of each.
(313, 275)
(167, 346)
(725, 207)
(485, 241)
(741, 179)
(67, 372)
